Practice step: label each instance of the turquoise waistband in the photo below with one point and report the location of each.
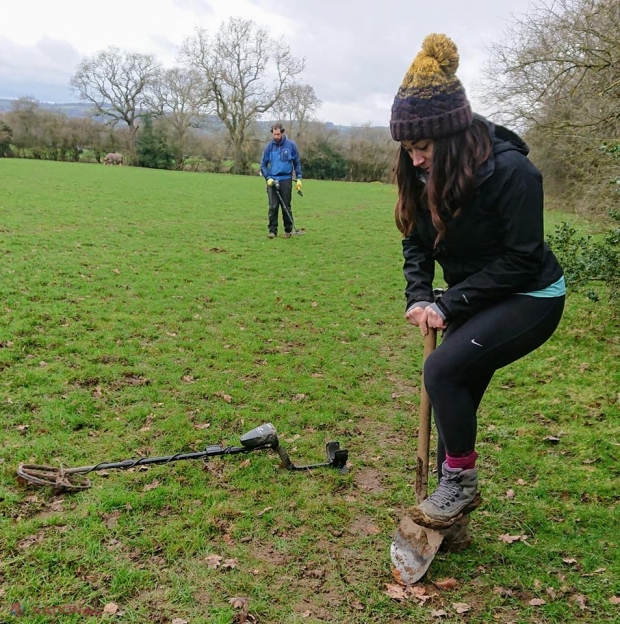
(557, 289)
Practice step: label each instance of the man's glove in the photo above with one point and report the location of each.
(298, 185)
(270, 181)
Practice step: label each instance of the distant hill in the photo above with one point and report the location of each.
(84, 109)
(71, 109)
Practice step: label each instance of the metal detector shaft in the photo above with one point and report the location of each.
(288, 210)
(210, 451)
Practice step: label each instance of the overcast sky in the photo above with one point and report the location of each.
(356, 51)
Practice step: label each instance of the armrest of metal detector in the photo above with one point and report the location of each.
(337, 457)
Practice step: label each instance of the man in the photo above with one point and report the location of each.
(280, 160)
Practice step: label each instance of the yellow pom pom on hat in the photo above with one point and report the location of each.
(431, 102)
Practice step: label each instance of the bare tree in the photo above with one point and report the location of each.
(559, 65)
(245, 73)
(556, 77)
(296, 108)
(177, 97)
(115, 82)
(370, 153)
(24, 121)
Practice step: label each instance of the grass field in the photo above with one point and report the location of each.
(146, 313)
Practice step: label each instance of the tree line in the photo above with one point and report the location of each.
(554, 76)
(203, 115)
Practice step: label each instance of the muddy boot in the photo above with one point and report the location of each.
(457, 537)
(455, 495)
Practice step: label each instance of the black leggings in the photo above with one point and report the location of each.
(457, 373)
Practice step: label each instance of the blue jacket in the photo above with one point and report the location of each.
(279, 161)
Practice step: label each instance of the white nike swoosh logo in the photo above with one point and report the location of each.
(476, 343)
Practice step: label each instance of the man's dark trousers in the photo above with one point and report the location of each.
(286, 190)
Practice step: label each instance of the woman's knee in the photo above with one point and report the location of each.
(437, 371)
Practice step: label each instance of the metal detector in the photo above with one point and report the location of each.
(260, 438)
(289, 212)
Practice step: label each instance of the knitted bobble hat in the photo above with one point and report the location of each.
(431, 102)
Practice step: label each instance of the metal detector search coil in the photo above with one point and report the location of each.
(260, 438)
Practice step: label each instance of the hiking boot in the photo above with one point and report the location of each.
(287, 234)
(271, 235)
(455, 494)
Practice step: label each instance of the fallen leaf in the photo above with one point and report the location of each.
(151, 486)
(264, 511)
(570, 561)
(419, 593)
(510, 494)
(202, 426)
(179, 621)
(396, 592)
(111, 608)
(509, 539)
(580, 599)
(614, 600)
(238, 602)
(111, 519)
(439, 614)
(502, 591)
(521, 482)
(461, 607)
(230, 563)
(537, 602)
(306, 614)
(449, 583)
(551, 439)
(214, 561)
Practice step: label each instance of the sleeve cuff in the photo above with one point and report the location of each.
(438, 310)
(418, 304)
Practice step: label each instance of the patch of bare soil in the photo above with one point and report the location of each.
(368, 480)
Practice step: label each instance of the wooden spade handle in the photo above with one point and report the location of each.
(424, 429)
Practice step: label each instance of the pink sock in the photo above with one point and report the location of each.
(466, 463)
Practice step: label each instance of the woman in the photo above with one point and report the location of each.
(470, 200)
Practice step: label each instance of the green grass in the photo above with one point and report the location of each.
(140, 306)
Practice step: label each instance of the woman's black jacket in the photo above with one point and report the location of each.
(495, 247)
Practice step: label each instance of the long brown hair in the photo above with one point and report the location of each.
(450, 187)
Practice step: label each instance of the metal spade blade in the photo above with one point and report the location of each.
(412, 551)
